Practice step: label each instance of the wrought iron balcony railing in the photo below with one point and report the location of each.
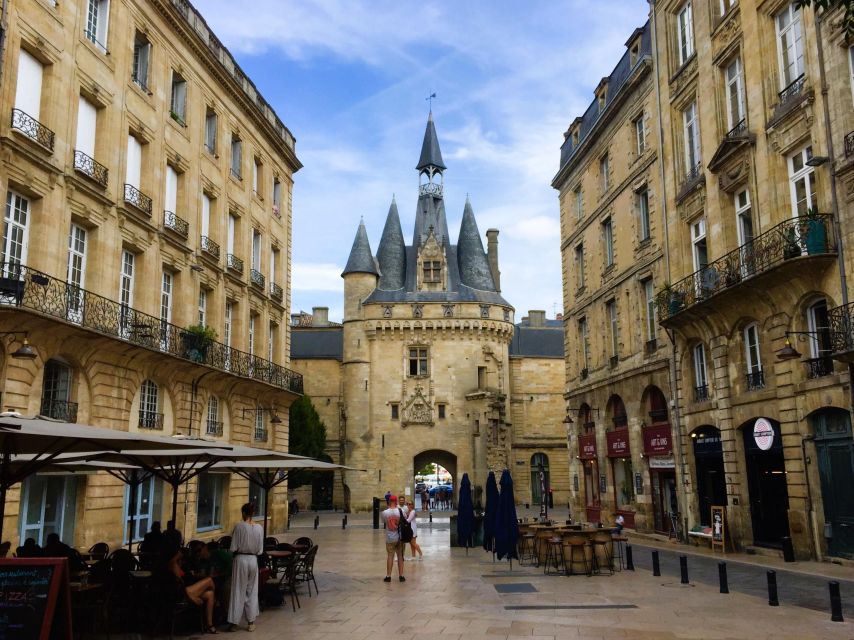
(801, 236)
(692, 176)
(755, 380)
(26, 288)
(849, 144)
(276, 292)
(738, 130)
(841, 321)
(91, 168)
(701, 393)
(658, 415)
(138, 199)
(32, 128)
(234, 263)
(150, 420)
(819, 367)
(793, 90)
(176, 224)
(59, 410)
(260, 435)
(257, 278)
(210, 247)
(214, 428)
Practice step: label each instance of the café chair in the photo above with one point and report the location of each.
(554, 556)
(602, 546)
(527, 548)
(619, 546)
(576, 544)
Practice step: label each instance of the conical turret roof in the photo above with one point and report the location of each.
(471, 258)
(391, 254)
(361, 259)
(431, 155)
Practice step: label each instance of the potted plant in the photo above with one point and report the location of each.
(196, 340)
(675, 299)
(815, 233)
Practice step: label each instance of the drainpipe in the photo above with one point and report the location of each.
(804, 440)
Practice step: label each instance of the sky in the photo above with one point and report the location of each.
(350, 79)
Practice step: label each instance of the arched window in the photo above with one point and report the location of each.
(214, 424)
(56, 392)
(150, 416)
(657, 404)
(618, 412)
(585, 423)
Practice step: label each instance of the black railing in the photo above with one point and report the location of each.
(621, 421)
(755, 380)
(32, 128)
(236, 174)
(692, 176)
(142, 83)
(214, 428)
(658, 415)
(176, 223)
(138, 199)
(234, 263)
(257, 278)
(210, 247)
(88, 166)
(59, 410)
(260, 435)
(276, 292)
(738, 130)
(150, 420)
(92, 37)
(27, 288)
(701, 393)
(841, 321)
(651, 346)
(819, 367)
(793, 90)
(802, 236)
(849, 144)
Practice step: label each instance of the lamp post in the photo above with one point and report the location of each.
(25, 351)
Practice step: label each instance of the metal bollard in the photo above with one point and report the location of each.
(835, 602)
(316, 521)
(431, 517)
(683, 568)
(722, 577)
(344, 522)
(630, 562)
(773, 601)
(656, 569)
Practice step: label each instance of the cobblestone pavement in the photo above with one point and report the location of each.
(450, 595)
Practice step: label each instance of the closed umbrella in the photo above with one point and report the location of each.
(490, 513)
(506, 524)
(465, 514)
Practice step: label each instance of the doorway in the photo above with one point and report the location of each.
(664, 503)
(766, 483)
(711, 481)
(146, 510)
(537, 460)
(835, 452)
(48, 505)
(440, 479)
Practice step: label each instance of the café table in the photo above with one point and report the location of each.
(276, 555)
(604, 553)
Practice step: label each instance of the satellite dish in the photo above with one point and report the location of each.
(710, 278)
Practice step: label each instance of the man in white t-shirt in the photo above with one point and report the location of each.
(393, 545)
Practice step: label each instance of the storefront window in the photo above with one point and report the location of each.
(209, 514)
(624, 482)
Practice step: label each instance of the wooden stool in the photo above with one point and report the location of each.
(554, 556)
(602, 541)
(619, 545)
(576, 544)
(527, 548)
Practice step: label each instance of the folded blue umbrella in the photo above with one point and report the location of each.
(465, 514)
(506, 524)
(490, 512)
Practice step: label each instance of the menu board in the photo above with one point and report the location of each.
(34, 599)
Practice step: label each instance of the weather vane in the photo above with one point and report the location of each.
(429, 99)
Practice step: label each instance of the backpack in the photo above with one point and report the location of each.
(404, 528)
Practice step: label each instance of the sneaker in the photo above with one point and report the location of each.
(402, 579)
(232, 628)
(251, 627)
(387, 579)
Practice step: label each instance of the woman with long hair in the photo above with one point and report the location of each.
(411, 516)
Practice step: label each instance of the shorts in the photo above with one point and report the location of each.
(392, 548)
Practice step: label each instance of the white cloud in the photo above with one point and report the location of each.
(317, 277)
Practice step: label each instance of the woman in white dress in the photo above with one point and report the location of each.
(411, 517)
(247, 543)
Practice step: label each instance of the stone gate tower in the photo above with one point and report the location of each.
(425, 348)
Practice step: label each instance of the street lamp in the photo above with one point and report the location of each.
(25, 351)
(272, 411)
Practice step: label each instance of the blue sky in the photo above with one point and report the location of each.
(350, 80)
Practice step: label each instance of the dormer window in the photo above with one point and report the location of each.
(432, 271)
(634, 54)
(601, 98)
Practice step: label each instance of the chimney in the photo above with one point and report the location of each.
(320, 316)
(492, 256)
(559, 316)
(536, 318)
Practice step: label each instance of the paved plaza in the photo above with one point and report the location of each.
(450, 595)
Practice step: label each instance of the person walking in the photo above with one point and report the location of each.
(247, 543)
(411, 518)
(393, 545)
(387, 498)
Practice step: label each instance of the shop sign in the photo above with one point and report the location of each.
(618, 443)
(657, 440)
(661, 462)
(763, 434)
(638, 484)
(587, 447)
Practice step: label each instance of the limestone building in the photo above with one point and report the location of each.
(148, 197)
(612, 248)
(427, 364)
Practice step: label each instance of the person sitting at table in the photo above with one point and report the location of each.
(29, 549)
(172, 537)
(620, 523)
(152, 540)
(172, 581)
(198, 559)
(56, 548)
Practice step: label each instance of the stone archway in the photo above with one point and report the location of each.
(441, 457)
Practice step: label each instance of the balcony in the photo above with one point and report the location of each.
(755, 380)
(210, 247)
(214, 428)
(151, 420)
(849, 144)
(30, 290)
(701, 393)
(137, 199)
(791, 241)
(819, 367)
(841, 321)
(176, 224)
(32, 128)
(789, 98)
(90, 168)
(257, 279)
(233, 263)
(738, 131)
(693, 177)
(62, 410)
(276, 292)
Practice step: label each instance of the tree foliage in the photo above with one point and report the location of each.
(428, 470)
(307, 437)
(827, 5)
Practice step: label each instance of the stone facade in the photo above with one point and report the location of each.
(140, 167)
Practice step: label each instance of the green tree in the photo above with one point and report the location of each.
(428, 470)
(307, 437)
(847, 20)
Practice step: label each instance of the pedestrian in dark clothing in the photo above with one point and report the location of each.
(172, 537)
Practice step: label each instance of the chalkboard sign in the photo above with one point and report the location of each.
(719, 528)
(34, 599)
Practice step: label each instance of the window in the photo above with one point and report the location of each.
(790, 46)
(274, 263)
(56, 392)
(260, 434)
(395, 411)
(604, 173)
(15, 231)
(203, 307)
(165, 309)
(441, 411)
(141, 58)
(87, 119)
(252, 321)
(649, 298)
(146, 509)
(579, 265)
(126, 281)
(258, 497)
(698, 244)
(685, 33)
(236, 157)
(210, 500)
(691, 129)
(210, 130)
(133, 171)
(611, 312)
(585, 347)
(802, 182)
(851, 69)
(819, 329)
(700, 380)
(432, 271)
(277, 197)
(727, 6)
(272, 332)
(149, 405)
(735, 94)
(642, 198)
(97, 21)
(418, 361)
(753, 360)
(214, 425)
(579, 203)
(28, 90)
(76, 272)
(256, 250)
(608, 239)
(226, 328)
(178, 105)
(256, 177)
(640, 135)
(206, 216)
(229, 240)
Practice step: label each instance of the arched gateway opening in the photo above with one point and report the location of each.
(443, 459)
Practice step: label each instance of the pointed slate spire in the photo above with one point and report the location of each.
(391, 253)
(471, 258)
(431, 155)
(361, 259)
